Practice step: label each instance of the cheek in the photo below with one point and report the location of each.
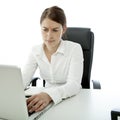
(43, 35)
(59, 35)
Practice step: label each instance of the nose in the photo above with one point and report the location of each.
(49, 35)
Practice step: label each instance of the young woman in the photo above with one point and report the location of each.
(60, 62)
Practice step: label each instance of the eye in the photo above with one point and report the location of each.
(55, 30)
(44, 29)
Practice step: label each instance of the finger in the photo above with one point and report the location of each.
(41, 107)
(38, 104)
(32, 103)
(30, 98)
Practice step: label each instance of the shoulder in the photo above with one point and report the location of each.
(36, 49)
(71, 48)
(71, 45)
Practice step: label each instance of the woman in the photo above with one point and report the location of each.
(58, 61)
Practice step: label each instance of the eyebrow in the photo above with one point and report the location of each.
(53, 28)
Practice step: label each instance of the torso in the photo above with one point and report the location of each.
(48, 56)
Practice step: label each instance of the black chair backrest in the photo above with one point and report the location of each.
(85, 37)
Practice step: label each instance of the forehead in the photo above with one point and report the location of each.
(47, 23)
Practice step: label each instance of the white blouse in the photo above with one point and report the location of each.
(63, 74)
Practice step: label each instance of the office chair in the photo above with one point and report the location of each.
(85, 37)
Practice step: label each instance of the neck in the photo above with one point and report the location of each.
(51, 50)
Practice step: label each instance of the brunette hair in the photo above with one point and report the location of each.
(54, 13)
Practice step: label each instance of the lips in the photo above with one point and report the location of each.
(49, 41)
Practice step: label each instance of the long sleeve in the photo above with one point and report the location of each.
(29, 70)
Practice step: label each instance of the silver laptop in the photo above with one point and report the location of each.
(12, 95)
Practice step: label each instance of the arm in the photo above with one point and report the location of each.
(29, 70)
(73, 84)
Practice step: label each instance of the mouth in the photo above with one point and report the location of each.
(50, 41)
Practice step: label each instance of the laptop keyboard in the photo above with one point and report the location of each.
(30, 113)
(41, 112)
(36, 115)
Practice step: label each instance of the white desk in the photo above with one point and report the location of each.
(87, 105)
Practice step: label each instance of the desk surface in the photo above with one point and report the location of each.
(87, 105)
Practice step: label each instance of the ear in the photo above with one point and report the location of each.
(64, 29)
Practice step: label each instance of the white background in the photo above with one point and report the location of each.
(20, 30)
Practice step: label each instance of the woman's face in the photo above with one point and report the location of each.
(51, 32)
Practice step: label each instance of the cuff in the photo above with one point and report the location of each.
(54, 94)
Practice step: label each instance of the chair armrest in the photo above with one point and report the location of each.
(96, 84)
(34, 81)
(115, 113)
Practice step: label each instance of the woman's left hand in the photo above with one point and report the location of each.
(38, 102)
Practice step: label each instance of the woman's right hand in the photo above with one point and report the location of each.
(38, 102)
